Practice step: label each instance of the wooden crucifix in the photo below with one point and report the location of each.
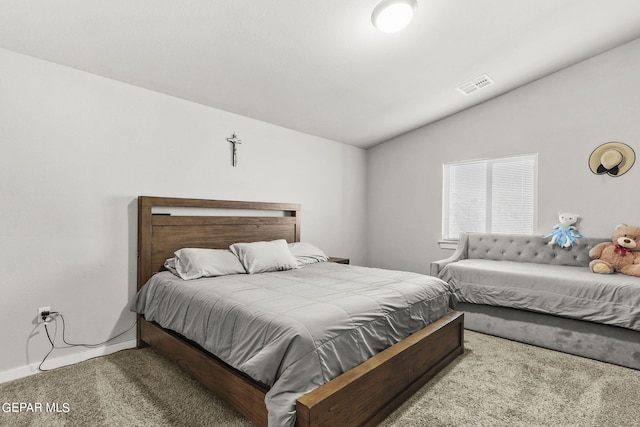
(234, 140)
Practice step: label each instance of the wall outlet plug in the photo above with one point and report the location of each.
(42, 310)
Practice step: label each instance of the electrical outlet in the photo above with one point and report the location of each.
(40, 311)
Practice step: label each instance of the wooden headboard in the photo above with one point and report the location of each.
(161, 234)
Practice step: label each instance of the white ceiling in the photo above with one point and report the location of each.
(319, 66)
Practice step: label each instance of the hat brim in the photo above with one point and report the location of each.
(628, 157)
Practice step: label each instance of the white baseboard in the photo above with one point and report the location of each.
(70, 359)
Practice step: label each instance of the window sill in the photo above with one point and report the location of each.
(448, 244)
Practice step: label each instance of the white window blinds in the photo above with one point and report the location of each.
(490, 195)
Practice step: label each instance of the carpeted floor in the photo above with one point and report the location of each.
(495, 383)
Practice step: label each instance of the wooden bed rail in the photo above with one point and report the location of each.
(366, 394)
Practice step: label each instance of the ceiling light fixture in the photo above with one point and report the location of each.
(391, 16)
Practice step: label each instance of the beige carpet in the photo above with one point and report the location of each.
(495, 383)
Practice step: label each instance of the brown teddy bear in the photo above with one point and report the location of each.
(621, 254)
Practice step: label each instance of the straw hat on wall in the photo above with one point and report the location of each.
(612, 158)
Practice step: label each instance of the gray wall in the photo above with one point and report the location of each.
(563, 117)
(77, 150)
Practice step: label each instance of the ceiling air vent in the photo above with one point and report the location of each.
(475, 84)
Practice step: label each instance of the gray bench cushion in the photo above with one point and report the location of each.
(573, 292)
(524, 248)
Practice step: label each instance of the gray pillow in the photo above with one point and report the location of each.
(262, 257)
(193, 263)
(306, 253)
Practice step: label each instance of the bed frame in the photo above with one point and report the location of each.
(364, 395)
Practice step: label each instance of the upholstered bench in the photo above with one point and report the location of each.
(519, 287)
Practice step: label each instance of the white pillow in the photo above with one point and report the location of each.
(261, 257)
(193, 263)
(170, 265)
(306, 253)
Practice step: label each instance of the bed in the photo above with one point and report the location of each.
(363, 395)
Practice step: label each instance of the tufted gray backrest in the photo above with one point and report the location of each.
(528, 248)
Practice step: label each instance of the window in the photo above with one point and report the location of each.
(496, 195)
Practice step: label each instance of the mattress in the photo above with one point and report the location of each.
(567, 291)
(296, 330)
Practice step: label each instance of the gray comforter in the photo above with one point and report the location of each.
(567, 291)
(296, 330)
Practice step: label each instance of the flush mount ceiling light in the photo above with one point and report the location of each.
(391, 16)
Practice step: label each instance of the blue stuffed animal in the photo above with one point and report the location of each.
(565, 233)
